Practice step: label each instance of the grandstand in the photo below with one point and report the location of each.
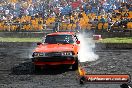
(39, 15)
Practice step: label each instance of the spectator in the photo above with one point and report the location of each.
(80, 15)
(109, 21)
(96, 22)
(126, 14)
(78, 27)
(113, 7)
(102, 12)
(102, 20)
(56, 26)
(117, 24)
(96, 19)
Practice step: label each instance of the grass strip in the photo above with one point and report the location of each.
(116, 40)
(20, 39)
(105, 40)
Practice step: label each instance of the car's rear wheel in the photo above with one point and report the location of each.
(37, 68)
(75, 65)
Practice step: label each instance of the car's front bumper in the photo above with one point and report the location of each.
(54, 60)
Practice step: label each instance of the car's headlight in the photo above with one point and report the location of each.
(38, 54)
(66, 53)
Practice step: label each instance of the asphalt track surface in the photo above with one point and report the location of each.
(16, 69)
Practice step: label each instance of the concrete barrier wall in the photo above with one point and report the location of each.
(99, 46)
(41, 34)
(102, 46)
(17, 44)
(22, 34)
(115, 34)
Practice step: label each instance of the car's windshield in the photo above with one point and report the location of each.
(63, 39)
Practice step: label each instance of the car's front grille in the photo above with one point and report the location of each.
(52, 59)
(53, 54)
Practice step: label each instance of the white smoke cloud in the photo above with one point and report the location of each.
(86, 52)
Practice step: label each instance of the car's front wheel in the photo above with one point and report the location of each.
(37, 68)
(75, 65)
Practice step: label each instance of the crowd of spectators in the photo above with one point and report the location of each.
(65, 14)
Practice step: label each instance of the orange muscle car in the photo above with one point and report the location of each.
(59, 48)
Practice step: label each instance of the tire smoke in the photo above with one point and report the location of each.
(86, 51)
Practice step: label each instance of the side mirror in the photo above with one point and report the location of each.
(39, 43)
(78, 42)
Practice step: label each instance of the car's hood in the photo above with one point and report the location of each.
(54, 48)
